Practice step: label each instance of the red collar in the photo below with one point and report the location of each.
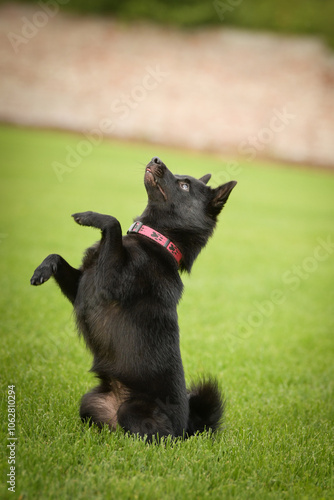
(138, 227)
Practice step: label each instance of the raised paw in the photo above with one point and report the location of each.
(83, 218)
(45, 270)
(94, 219)
(41, 274)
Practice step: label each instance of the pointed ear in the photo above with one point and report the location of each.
(220, 196)
(205, 178)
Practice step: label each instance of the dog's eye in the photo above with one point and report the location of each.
(184, 185)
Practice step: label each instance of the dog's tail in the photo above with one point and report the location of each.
(206, 407)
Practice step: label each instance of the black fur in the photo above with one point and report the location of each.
(125, 297)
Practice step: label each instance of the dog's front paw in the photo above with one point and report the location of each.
(94, 219)
(43, 272)
(39, 277)
(84, 218)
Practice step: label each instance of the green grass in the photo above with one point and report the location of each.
(275, 366)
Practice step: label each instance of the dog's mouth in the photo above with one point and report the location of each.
(152, 180)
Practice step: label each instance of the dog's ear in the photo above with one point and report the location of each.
(219, 197)
(205, 178)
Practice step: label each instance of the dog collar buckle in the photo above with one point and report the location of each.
(139, 228)
(135, 227)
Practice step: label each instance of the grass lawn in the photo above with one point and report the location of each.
(257, 312)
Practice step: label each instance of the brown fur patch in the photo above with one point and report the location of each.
(102, 407)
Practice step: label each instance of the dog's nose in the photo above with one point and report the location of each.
(156, 160)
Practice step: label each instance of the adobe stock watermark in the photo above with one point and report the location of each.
(291, 281)
(224, 7)
(148, 426)
(232, 170)
(121, 109)
(11, 438)
(31, 27)
(279, 120)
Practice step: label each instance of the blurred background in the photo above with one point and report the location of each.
(248, 79)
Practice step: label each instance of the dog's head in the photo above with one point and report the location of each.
(182, 208)
(191, 197)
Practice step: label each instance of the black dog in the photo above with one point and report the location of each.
(125, 296)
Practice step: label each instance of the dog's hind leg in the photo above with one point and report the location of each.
(100, 408)
(65, 275)
(145, 418)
